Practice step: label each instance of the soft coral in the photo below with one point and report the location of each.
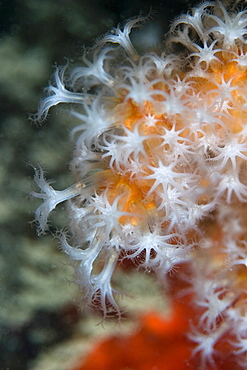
(158, 343)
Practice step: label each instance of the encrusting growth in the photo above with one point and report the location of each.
(161, 156)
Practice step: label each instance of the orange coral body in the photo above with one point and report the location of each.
(158, 343)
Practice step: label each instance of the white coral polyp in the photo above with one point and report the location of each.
(160, 153)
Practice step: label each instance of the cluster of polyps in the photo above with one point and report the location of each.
(160, 160)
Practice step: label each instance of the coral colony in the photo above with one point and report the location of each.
(160, 163)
